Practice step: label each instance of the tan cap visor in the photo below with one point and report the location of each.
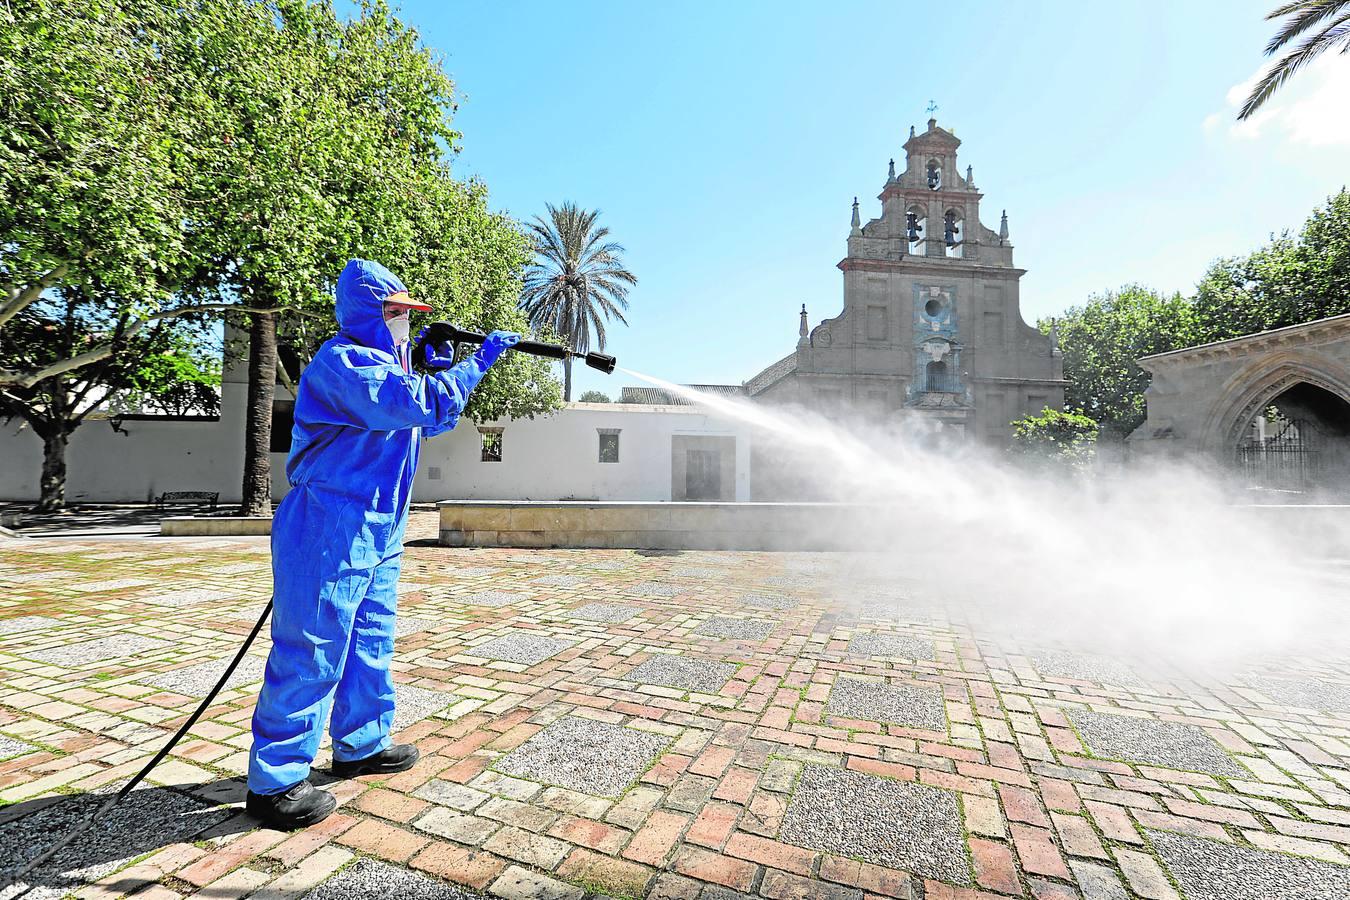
(402, 299)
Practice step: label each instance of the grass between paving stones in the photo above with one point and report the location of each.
(596, 888)
(965, 845)
(179, 886)
(270, 865)
(797, 765)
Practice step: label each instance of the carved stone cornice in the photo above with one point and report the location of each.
(925, 265)
(1307, 334)
(955, 195)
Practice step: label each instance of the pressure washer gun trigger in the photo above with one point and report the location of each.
(432, 335)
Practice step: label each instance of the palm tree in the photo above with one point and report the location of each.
(577, 280)
(1330, 22)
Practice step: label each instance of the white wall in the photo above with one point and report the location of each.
(152, 456)
(547, 458)
(557, 457)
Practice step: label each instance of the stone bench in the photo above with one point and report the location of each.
(211, 497)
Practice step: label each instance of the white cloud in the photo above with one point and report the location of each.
(1310, 109)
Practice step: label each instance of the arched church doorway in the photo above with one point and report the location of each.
(1298, 443)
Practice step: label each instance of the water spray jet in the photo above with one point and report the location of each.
(1161, 561)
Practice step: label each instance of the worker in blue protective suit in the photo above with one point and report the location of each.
(337, 544)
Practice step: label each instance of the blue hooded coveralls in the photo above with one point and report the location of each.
(337, 537)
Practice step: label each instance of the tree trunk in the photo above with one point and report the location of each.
(262, 380)
(567, 378)
(53, 484)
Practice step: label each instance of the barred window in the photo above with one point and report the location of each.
(609, 445)
(492, 444)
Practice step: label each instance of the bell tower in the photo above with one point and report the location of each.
(931, 320)
(936, 205)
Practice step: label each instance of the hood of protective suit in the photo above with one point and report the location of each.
(362, 289)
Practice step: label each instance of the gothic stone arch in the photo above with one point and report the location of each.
(1201, 398)
(1255, 386)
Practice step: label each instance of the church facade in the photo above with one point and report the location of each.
(932, 321)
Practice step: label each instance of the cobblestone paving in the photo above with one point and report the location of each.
(371, 878)
(732, 627)
(554, 765)
(891, 645)
(683, 672)
(915, 705)
(1143, 739)
(883, 821)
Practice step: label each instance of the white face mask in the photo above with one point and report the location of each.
(399, 327)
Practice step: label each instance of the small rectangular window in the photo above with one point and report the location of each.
(492, 444)
(609, 445)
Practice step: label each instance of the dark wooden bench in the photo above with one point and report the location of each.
(189, 497)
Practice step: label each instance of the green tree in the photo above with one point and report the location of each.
(1325, 25)
(594, 397)
(1100, 342)
(154, 367)
(182, 379)
(1054, 436)
(337, 134)
(1293, 279)
(101, 147)
(231, 155)
(320, 135)
(577, 282)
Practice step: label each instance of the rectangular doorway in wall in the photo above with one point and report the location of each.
(283, 422)
(703, 475)
(702, 467)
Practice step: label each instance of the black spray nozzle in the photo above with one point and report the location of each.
(444, 332)
(602, 361)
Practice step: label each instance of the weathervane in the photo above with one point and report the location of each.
(932, 107)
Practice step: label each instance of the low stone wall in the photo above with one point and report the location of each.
(648, 526)
(1321, 531)
(214, 526)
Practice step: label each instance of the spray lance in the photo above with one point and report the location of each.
(444, 332)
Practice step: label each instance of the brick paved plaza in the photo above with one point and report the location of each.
(673, 725)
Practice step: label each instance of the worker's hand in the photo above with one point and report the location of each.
(497, 343)
(438, 356)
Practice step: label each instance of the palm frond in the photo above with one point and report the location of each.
(578, 281)
(1304, 15)
(1285, 69)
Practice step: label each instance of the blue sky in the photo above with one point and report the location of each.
(724, 143)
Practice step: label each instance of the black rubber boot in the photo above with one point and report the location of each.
(398, 758)
(298, 806)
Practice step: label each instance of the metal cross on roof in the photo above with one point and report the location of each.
(932, 107)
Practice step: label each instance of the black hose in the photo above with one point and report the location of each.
(139, 776)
